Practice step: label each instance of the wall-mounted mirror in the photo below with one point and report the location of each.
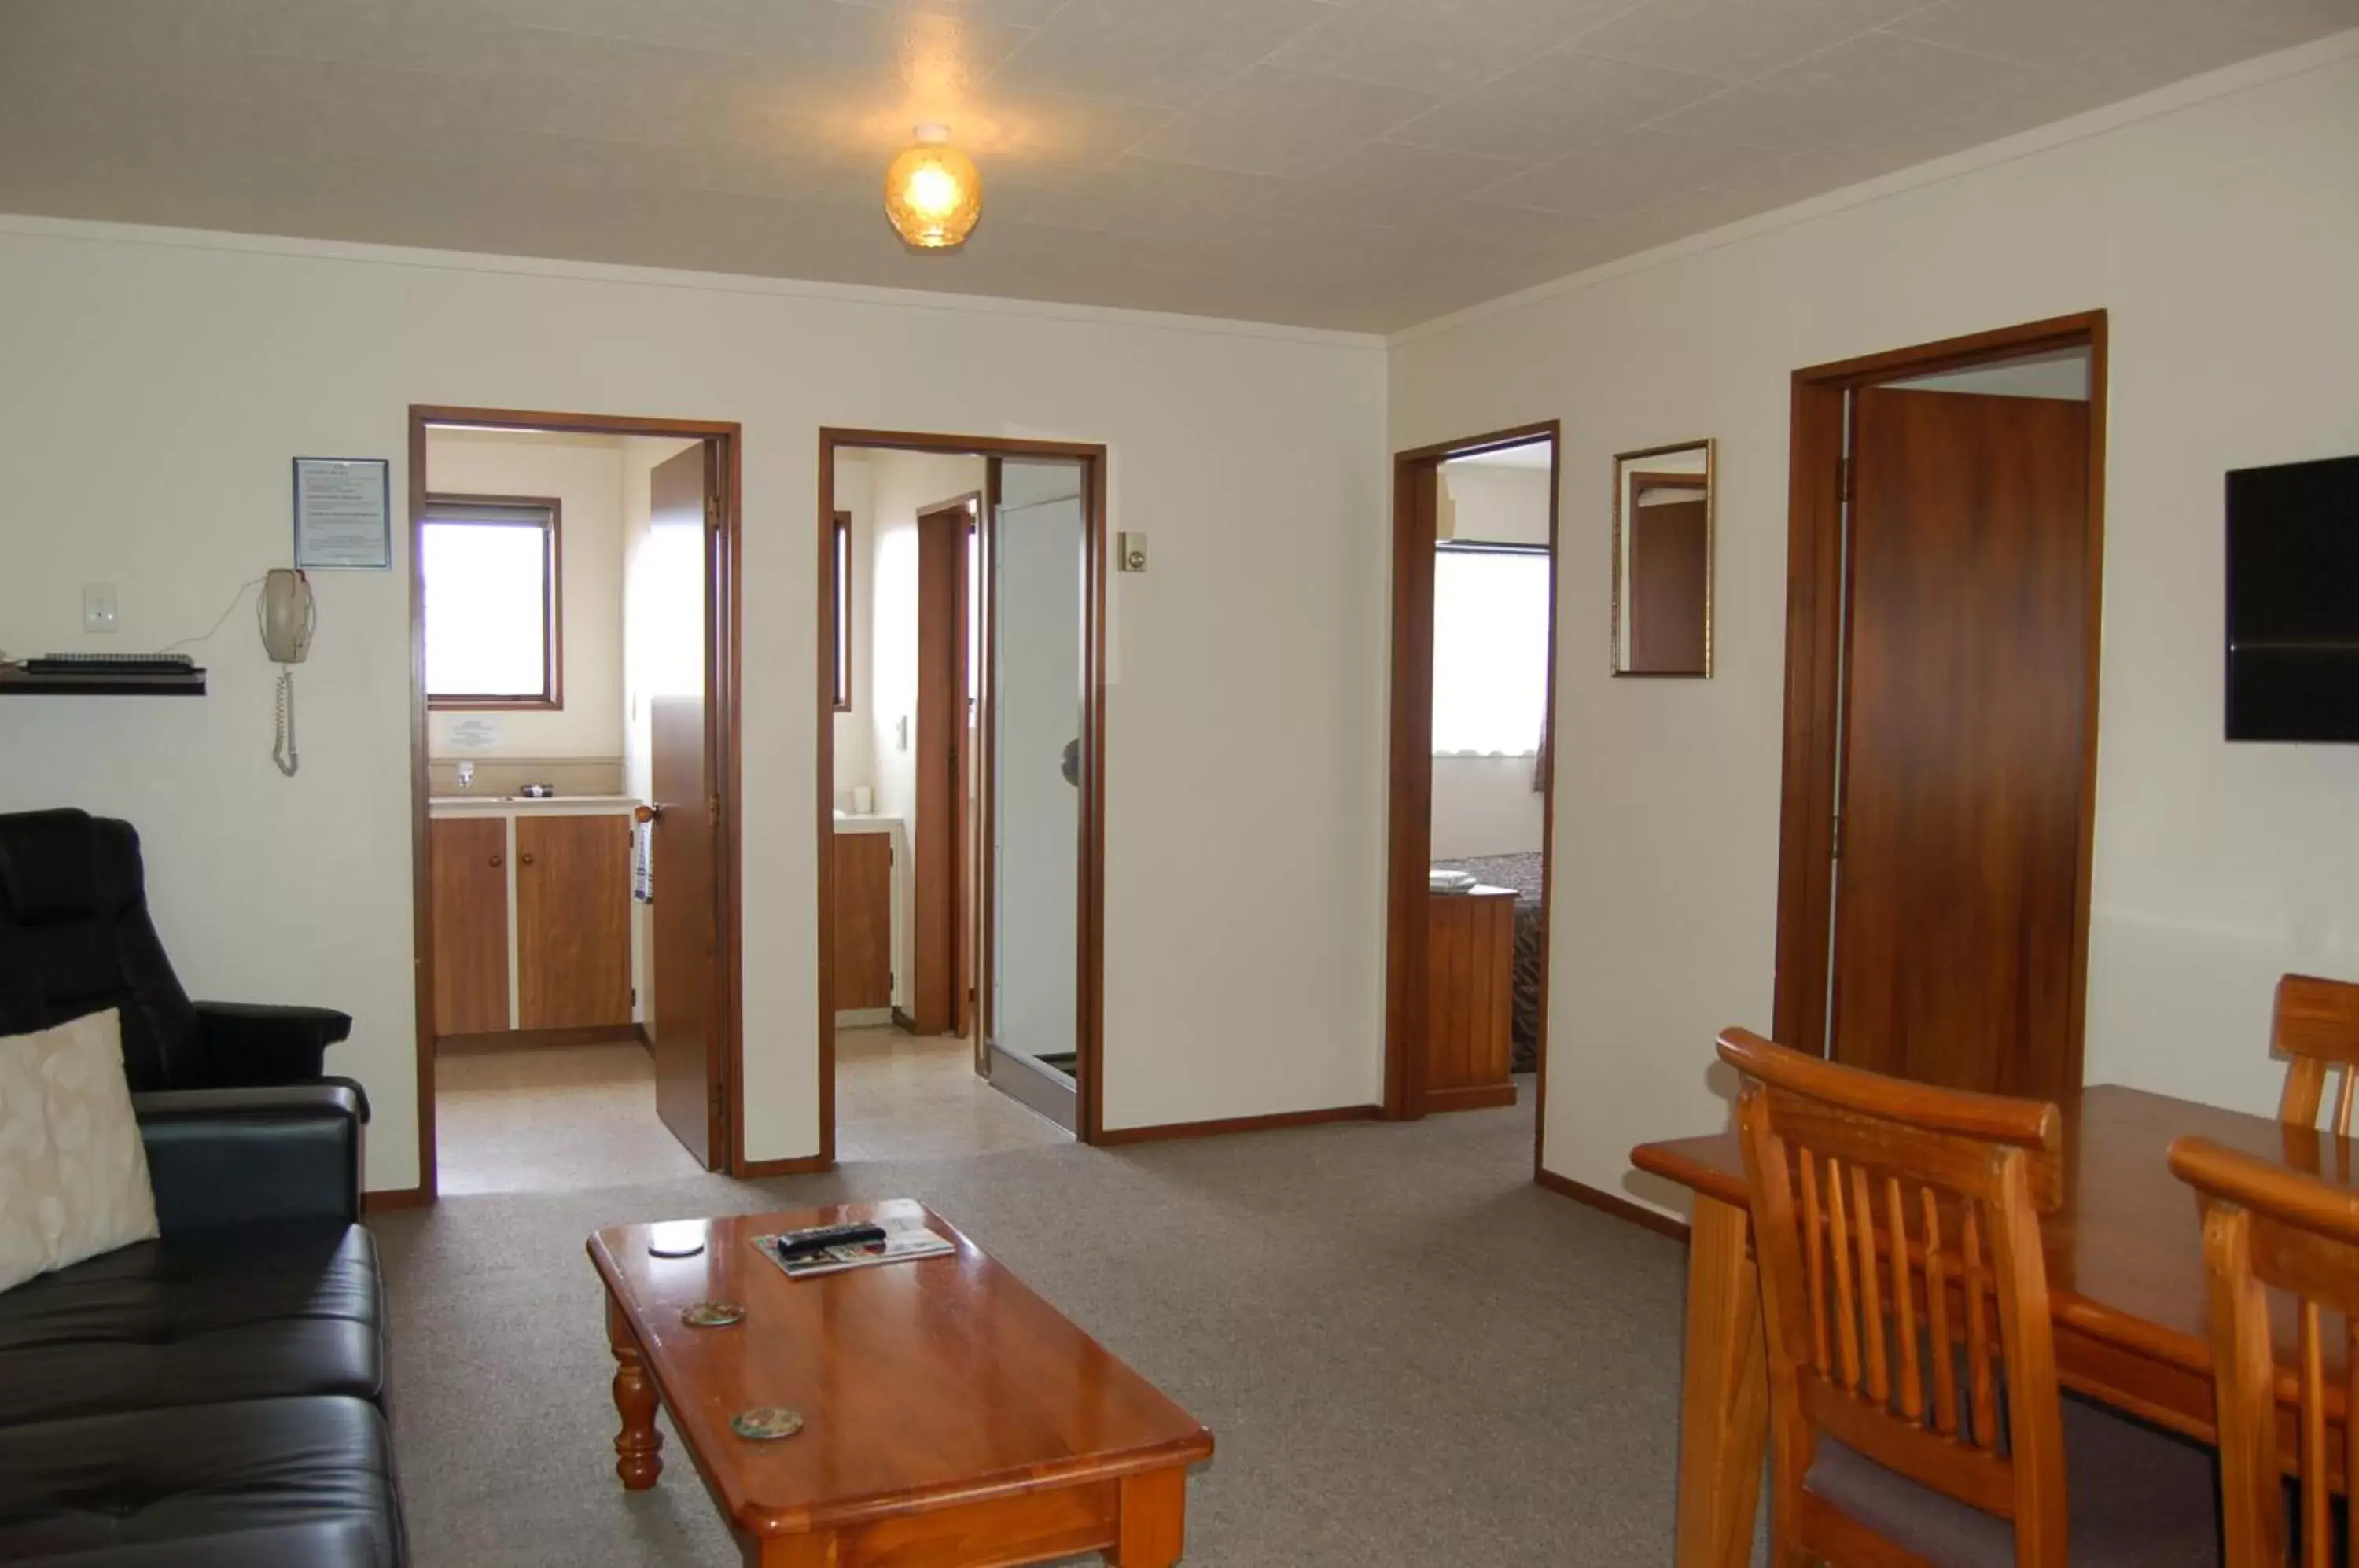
(1662, 560)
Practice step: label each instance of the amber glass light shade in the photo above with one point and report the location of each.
(932, 193)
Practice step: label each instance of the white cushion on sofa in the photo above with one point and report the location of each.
(74, 1174)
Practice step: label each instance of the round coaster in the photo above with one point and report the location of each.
(682, 1238)
(713, 1314)
(764, 1423)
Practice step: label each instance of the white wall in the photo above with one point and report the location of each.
(2216, 221)
(856, 740)
(584, 475)
(187, 369)
(1493, 503)
(650, 652)
(899, 484)
(1486, 805)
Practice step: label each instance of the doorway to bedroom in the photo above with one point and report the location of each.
(1474, 568)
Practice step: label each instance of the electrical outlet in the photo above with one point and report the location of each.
(98, 608)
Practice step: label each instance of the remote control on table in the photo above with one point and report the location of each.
(818, 1238)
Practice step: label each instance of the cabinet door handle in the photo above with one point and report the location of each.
(524, 860)
(496, 862)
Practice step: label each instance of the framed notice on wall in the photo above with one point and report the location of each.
(343, 512)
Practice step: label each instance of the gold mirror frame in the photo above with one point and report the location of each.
(1710, 447)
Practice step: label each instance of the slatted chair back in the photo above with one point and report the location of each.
(1904, 1292)
(2315, 1024)
(2266, 1226)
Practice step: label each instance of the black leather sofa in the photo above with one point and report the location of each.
(75, 937)
(216, 1396)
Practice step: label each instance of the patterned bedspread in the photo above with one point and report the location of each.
(1521, 872)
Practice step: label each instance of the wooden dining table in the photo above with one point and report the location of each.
(2125, 1281)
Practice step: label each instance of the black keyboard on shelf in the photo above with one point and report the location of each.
(111, 664)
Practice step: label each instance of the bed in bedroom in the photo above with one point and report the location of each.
(1522, 873)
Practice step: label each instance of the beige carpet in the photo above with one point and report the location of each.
(567, 1119)
(1409, 1354)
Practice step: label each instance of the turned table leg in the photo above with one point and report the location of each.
(638, 1447)
(1724, 1393)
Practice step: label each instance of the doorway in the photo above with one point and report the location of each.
(574, 770)
(1945, 573)
(1470, 827)
(969, 729)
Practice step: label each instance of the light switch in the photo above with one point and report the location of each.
(98, 606)
(1130, 554)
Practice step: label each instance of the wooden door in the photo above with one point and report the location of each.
(686, 936)
(573, 921)
(468, 860)
(864, 921)
(940, 768)
(1965, 726)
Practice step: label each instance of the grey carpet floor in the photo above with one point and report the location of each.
(1407, 1354)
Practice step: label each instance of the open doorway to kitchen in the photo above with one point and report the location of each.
(573, 753)
(959, 752)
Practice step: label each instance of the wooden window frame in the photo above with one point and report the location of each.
(840, 536)
(551, 696)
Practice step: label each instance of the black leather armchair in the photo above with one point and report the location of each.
(216, 1396)
(75, 938)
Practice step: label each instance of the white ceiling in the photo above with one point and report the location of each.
(1364, 164)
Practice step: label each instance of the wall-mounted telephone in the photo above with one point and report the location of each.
(288, 615)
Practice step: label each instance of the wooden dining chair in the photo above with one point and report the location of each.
(1915, 1416)
(2264, 1226)
(2316, 1024)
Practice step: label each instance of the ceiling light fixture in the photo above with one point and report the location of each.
(932, 193)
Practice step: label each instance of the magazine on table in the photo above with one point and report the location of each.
(905, 1239)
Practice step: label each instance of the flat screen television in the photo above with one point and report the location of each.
(2293, 602)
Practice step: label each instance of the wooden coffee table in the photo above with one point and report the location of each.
(950, 1416)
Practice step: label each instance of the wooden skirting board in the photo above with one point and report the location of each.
(1241, 1123)
(386, 1199)
(1621, 1208)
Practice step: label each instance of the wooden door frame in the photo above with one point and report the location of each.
(723, 443)
(1409, 832)
(1096, 558)
(936, 905)
(1814, 634)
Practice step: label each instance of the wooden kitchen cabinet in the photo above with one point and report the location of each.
(864, 922)
(573, 922)
(468, 859)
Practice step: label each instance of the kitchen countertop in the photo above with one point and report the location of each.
(524, 805)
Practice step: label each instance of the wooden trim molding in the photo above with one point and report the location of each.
(384, 1200)
(724, 468)
(1814, 640)
(1614, 1204)
(1240, 1124)
(1090, 987)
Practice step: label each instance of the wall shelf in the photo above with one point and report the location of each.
(15, 682)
